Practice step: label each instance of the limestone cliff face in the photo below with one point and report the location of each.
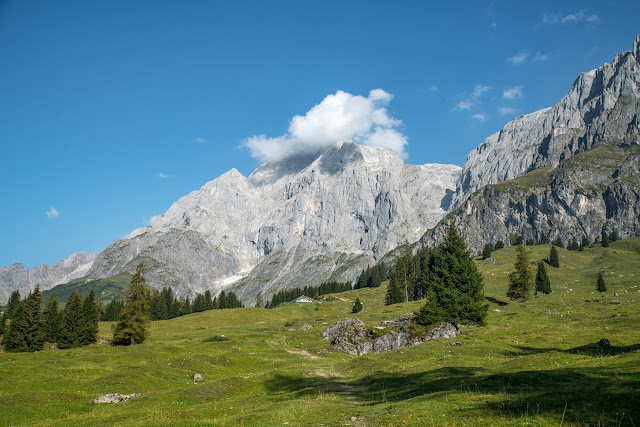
(17, 277)
(602, 107)
(297, 221)
(595, 191)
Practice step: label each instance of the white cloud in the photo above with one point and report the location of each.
(463, 105)
(540, 57)
(507, 111)
(480, 89)
(200, 140)
(481, 117)
(53, 213)
(339, 116)
(519, 58)
(433, 88)
(162, 175)
(571, 18)
(512, 93)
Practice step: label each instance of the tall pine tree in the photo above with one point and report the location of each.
(91, 317)
(134, 317)
(27, 329)
(70, 335)
(52, 318)
(455, 282)
(520, 279)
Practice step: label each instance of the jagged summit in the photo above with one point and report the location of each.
(601, 107)
(349, 204)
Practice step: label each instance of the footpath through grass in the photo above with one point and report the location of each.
(536, 363)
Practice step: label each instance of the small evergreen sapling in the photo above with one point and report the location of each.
(600, 285)
(520, 279)
(543, 285)
(605, 239)
(357, 306)
(554, 259)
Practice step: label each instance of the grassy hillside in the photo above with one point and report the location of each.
(536, 363)
(109, 288)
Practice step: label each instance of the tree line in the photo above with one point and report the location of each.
(31, 324)
(287, 295)
(572, 244)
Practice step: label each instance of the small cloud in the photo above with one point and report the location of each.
(519, 58)
(481, 117)
(540, 57)
(434, 88)
(53, 213)
(162, 175)
(493, 26)
(571, 18)
(507, 111)
(462, 106)
(512, 93)
(480, 89)
(200, 140)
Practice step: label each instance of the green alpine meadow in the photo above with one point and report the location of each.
(540, 362)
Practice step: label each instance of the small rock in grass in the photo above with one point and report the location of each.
(198, 377)
(113, 398)
(455, 343)
(305, 327)
(604, 341)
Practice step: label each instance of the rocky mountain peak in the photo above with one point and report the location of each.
(600, 108)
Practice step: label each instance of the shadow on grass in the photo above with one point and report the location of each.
(595, 350)
(496, 301)
(591, 396)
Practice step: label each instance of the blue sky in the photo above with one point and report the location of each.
(112, 110)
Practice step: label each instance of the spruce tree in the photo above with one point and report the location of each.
(52, 318)
(499, 245)
(554, 259)
(357, 306)
(36, 333)
(486, 251)
(14, 339)
(605, 239)
(158, 307)
(455, 281)
(584, 243)
(208, 301)
(520, 279)
(134, 318)
(3, 324)
(431, 313)
(600, 285)
(72, 326)
(13, 303)
(222, 300)
(543, 285)
(90, 317)
(614, 236)
(558, 242)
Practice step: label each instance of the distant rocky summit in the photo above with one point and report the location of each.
(17, 277)
(353, 337)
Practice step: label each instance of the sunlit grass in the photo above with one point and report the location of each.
(533, 364)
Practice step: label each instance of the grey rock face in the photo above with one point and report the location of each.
(351, 336)
(592, 192)
(17, 277)
(602, 107)
(294, 222)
